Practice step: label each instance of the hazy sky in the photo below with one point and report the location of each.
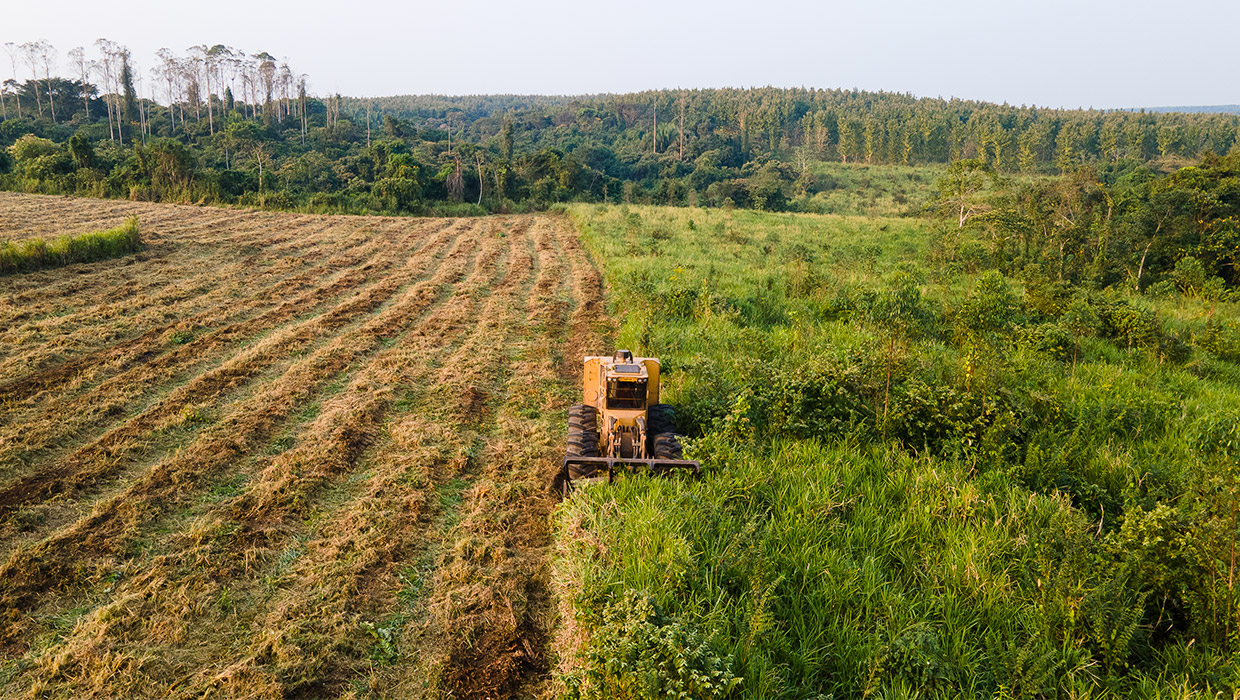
(1068, 53)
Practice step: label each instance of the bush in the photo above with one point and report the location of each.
(803, 405)
(636, 652)
(1054, 340)
(992, 306)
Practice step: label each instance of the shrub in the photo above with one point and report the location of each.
(1054, 340)
(992, 306)
(940, 418)
(636, 652)
(803, 405)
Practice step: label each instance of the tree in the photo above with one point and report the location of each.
(30, 51)
(455, 181)
(108, 70)
(78, 56)
(47, 58)
(129, 106)
(900, 312)
(82, 151)
(505, 140)
(11, 49)
(959, 191)
(847, 140)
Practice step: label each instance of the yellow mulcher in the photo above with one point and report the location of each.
(621, 423)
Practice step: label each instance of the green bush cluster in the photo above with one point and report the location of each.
(37, 253)
(637, 653)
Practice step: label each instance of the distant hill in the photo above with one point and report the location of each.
(1199, 109)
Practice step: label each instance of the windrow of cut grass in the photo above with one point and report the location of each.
(333, 484)
(267, 517)
(491, 596)
(126, 444)
(37, 253)
(921, 481)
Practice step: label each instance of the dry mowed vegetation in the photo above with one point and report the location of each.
(280, 455)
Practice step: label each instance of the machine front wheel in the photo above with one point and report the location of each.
(667, 446)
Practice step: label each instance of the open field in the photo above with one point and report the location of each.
(279, 455)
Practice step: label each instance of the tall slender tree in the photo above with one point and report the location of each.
(78, 56)
(11, 49)
(30, 52)
(47, 59)
(130, 104)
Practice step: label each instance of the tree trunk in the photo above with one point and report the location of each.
(682, 127)
(654, 135)
(1141, 267)
(479, 157)
(50, 102)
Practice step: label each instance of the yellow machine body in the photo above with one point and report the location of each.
(620, 423)
(621, 390)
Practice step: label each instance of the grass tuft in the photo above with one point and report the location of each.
(38, 253)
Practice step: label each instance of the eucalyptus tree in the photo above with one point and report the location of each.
(30, 52)
(108, 70)
(12, 49)
(47, 59)
(78, 56)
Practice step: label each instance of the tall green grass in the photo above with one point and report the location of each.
(918, 484)
(37, 253)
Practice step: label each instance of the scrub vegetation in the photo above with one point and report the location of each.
(929, 474)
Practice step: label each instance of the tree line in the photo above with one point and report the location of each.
(216, 124)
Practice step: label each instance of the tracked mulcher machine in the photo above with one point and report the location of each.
(621, 424)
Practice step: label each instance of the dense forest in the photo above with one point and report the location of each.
(1108, 195)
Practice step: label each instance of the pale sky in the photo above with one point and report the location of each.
(1070, 53)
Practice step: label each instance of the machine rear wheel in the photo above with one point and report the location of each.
(583, 439)
(667, 446)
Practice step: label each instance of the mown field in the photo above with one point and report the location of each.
(924, 477)
(279, 455)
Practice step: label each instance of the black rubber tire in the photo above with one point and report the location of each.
(660, 418)
(667, 446)
(583, 444)
(582, 432)
(583, 417)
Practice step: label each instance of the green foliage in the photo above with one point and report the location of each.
(31, 147)
(992, 306)
(637, 653)
(823, 151)
(36, 253)
(920, 480)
